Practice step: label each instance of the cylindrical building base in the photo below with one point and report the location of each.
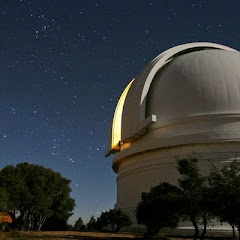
(140, 172)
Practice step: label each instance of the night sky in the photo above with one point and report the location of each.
(64, 64)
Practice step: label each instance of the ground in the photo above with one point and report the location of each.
(15, 235)
(69, 235)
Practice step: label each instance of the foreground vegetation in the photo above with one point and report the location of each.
(197, 199)
(114, 219)
(35, 197)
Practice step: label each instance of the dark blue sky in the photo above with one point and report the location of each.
(63, 66)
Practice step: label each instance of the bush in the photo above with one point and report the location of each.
(159, 208)
(115, 218)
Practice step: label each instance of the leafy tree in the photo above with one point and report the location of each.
(62, 209)
(36, 193)
(4, 198)
(195, 202)
(79, 225)
(91, 225)
(99, 224)
(57, 222)
(13, 182)
(225, 194)
(116, 219)
(5, 218)
(159, 208)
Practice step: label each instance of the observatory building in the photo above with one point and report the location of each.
(185, 101)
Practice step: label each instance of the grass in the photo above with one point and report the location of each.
(70, 235)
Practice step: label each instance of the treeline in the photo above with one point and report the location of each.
(114, 219)
(197, 199)
(35, 198)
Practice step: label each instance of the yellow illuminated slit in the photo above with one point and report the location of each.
(117, 119)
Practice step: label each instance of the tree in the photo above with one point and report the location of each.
(195, 194)
(4, 198)
(99, 224)
(13, 182)
(116, 219)
(58, 221)
(159, 208)
(36, 193)
(91, 225)
(79, 225)
(225, 193)
(62, 209)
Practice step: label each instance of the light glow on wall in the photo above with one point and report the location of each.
(117, 119)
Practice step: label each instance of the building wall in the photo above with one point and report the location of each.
(139, 172)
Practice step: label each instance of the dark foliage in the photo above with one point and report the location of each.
(159, 208)
(79, 225)
(225, 194)
(196, 205)
(37, 194)
(91, 225)
(115, 218)
(4, 199)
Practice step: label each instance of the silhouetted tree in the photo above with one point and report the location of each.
(159, 208)
(4, 199)
(99, 224)
(225, 193)
(195, 193)
(91, 225)
(79, 225)
(37, 193)
(116, 219)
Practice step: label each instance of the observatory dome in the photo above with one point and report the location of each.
(185, 100)
(195, 84)
(183, 84)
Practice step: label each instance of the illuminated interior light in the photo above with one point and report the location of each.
(117, 119)
(125, 145)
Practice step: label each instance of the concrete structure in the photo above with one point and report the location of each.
(186, 101)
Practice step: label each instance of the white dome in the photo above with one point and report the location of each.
(196, 84)
(184, 84)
